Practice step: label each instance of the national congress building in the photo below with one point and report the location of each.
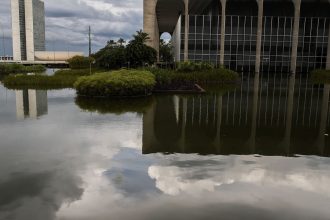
(28, 27)
(244, 35)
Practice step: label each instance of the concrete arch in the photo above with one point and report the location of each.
(168, 13)
(247, 7)
(279, 8)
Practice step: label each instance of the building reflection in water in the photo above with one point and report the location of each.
(31, 103)
(268, 115)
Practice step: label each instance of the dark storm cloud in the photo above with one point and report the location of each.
(67, 22)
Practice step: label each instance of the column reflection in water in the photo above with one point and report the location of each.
(272, 107)
(252, 140)
(31, 103)
(289, 114)
(321, 142)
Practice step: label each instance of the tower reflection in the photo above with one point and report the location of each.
(31, 103)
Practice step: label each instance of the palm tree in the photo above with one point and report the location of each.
(121, 41)
(111, 43)
(141, 37)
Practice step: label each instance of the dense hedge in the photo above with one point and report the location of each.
(171, 79)
(321, 76)
(6, 69)
(116, 84)
(114, 106)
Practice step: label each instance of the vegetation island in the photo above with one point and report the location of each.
(121, 70)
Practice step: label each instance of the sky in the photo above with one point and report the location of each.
(67, 23)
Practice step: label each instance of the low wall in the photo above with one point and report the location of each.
(55, 55)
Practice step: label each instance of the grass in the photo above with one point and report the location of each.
(321, 76)
(121, 83)
(172, 80)
(125, 83)
(38, 82)
(61, 79)
(6, 69)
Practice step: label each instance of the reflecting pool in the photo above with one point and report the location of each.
(256, 151)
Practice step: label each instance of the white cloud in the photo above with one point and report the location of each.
(67, 22)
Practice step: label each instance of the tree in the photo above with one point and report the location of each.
(80, 62)
(138, 53)
(112, 58)
(121, 41)
(165, 51)
(141, 37)
(111, 43)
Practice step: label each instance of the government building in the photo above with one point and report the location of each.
(28, 27)
(28, 31)
(272, 36)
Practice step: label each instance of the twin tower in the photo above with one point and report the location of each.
(28, 27)
(278, 36)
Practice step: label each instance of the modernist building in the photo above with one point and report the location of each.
(28, 27)
(244, 35)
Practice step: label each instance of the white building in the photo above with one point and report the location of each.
(28, 26)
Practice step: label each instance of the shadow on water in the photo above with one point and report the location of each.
(114, 106)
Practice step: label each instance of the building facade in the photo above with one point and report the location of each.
(245, 35)
(28, 27)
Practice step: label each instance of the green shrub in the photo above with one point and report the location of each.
(80, 62)
(321, 76)
(114, 106)
(116, 84)
(38, 81)
(194, 66)
(6, 69)
(171, 80)
(61, 79)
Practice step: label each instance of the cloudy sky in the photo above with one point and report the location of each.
(67, 22)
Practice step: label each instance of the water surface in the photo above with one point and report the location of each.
(259, 151)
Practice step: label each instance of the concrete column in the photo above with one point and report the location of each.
(259, 34)
(16, 29)
(29, 28)
(186, 30)
(157, 38)
(223, 32)
(328, 54)
(150, 25)
(295, 35)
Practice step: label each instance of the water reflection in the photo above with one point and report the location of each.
(31, 103)
(267, 116)
(83, 159)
